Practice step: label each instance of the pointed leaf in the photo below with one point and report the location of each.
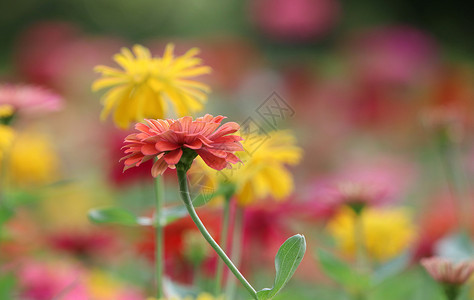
(203, 198)
(287, 260)
(119, 216)
(113, 215)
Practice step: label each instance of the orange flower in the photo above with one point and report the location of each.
(166, 140)
(445, 271)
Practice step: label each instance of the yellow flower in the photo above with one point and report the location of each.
(387, 232)
(6, 110)
(101, 285)
(7, 135)
(31, 161)
(145, 85)
(202, 296)
(263, 172)
(77, 199)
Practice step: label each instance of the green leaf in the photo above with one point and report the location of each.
(119, 216)
(7, 286)
(391, 268)
(223, 189)
(203, 198)
(341, 272)
(172, 214)
(287, 260)
(6, 213)
(115, 215)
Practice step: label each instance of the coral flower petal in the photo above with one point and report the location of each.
(196, 144)
(215, 162)
(227, 128)
(159, 167)
(173, 157)
(165, 140)
(165, 146)
(149, 149)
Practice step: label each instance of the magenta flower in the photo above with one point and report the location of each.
(295, 20)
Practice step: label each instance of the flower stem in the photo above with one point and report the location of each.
(184, 192)
(451, 291)
(224, 243)
(236, 249)
(455, 175)
(361, 251)
(159, 259)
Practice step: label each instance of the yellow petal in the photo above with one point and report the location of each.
(107, 82)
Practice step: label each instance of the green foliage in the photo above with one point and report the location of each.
(287, 260)
(7, 285)
(342, 272)
(390, 268)
(120, 216)
(113, 215)
(224, 189)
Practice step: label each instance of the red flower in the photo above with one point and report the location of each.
(166, 140)
(177, 265)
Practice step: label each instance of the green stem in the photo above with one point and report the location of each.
(224, 232)
(455, 176)
(159, 257)
(451, 291)
(361, 251)
(184, 192)
(236, 249)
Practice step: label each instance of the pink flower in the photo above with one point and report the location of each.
(396, 55)
(29, 98)
(165, 140)
(43, 281)
(445, 271)
(374, 185)
(295, 20)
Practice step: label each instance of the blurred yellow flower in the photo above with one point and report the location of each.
(102, 286)
(202, 296)
(145, 85)
(7, 135)
(388, 232)
(31, 161)
(6, 110)
(263, 172)
(66, 206)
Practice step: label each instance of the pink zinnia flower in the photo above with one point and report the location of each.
(393, 55)
(445, 271)
(167, 139)
(45, 281)
(366, 185)
(295, 20)
(29, 98)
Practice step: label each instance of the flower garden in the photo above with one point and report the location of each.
(304, 149)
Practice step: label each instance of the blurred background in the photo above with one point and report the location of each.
(367, 87)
